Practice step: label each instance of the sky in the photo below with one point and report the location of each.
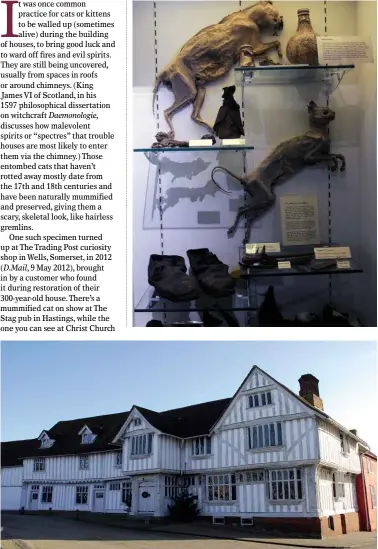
(46, 382)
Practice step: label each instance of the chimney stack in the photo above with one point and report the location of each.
(354, 432)
(309, 390)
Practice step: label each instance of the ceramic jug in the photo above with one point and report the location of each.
(302, 47)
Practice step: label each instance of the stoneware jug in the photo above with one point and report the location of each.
(302, 47)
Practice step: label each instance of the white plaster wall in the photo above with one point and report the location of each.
(271, 114)
(330, 451)
(327, 504)
(101, 465)
(11, 476)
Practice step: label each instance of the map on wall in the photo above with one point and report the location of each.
(186, 196)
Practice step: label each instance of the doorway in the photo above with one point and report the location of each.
(146, 500)
(34, 495)
(99, 501)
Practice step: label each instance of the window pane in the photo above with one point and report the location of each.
(266, 435)
(269, 397)
(149, 450)
(256, 400)
(233, 492)
(299, 489)
(279, 434)
(274, 490)
(285, 475)
(251, 401)
(226, 479)
(273, 475)
(233, 479)
(221, 492)
(208, 442)
(279, 475)
(292, 490)
(261, 441)
(291, 473)
(298, 473)
(221, 479)
(255, 437)
(263, 399)
(210, 480)
(286, 490)
(280, 490)
(210, 493)
(254, 477)
(272, 435)
(216, 479)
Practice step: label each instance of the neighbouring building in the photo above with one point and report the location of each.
(266, 458)
(366, 483)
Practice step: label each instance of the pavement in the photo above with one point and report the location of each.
(205, 530)
(49, 532)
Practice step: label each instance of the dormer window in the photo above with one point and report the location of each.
(46, 441)
(87, 437)
(137, 422)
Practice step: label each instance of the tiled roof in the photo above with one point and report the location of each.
(186, 422)
(67, 440)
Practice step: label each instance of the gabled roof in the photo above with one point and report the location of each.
(186, 422)
(189, 421)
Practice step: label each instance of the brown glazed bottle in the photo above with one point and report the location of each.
(302, 47)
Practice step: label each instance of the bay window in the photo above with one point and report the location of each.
(285, 484)
(221, 487)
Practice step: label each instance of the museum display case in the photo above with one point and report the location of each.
(295, 207)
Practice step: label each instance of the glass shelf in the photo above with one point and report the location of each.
(192, 149)
(298, 270)
(291, 74)
(301, 258)
(152, 303)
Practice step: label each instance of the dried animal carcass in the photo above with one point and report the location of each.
(211, 54)
(287, 159)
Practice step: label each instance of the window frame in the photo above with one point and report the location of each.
(276, 483)
(263, 398)
(126, 492)
(47, 490)
(373, 496)
(368, 465)
(81, 493)
(172, 486)
(338, 485)
(83, 462)
(42, 465)
(119, 458)
(258, 434)
(144, 448)
(114, 486)
(344, 444)
(218, 485)
(206, 446)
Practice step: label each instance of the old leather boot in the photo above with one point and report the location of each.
(212, 275)
(167, 274)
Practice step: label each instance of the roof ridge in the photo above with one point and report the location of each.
(194, 405)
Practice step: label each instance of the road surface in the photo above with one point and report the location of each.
(41, 532)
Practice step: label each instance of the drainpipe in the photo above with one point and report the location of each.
(368, 525)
